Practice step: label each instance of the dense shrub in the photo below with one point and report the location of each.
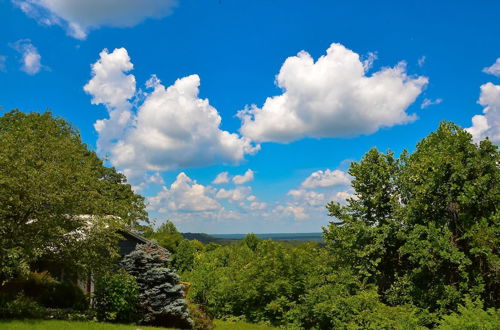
(116, 298)
(65, 295)
(47, 291)
(471, 316)
(257, 282)
(161, 298)
(201, 320)
(333, 307)
(20, 307)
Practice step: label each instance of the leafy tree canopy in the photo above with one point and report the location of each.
(424, 227)
(56, 196)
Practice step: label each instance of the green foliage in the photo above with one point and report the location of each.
(420, 234)
(258, 285)
(49, 180)
(161, 297)
(183, 259)
(251, 241)
(471, 316)
(166, 235)
(338, 306)
(47, 291)
(20, 307)
(424, 228)
(116, 298)
(201, 320)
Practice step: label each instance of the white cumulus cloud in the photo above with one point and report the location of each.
(221, 178)
(488, 124)
(112, 87)
(332, 97)
(242, 179)
(184, 195)
(311, 198)
(166, 128)
(326, 178)
(494, 69)
(31, 59)
(236, 195)
(78, 17)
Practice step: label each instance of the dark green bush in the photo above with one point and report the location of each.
(47, 291)
(21, 307)
(64, 295)
(116, 298)
(201, 320)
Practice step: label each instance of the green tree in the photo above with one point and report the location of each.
(161, 296)
(184, 258)
(166, 235)
(452, 197)
(366, 238)
(57, 199)
(425, 227)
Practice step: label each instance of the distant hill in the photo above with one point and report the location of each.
(206, 238)
(310, 237)
(230, 238)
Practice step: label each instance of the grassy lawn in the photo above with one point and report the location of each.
(224, 325)
(62, 325)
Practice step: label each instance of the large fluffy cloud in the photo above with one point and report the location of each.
(184, 195)
(78, 17)
(488, 124)
(112, 87)
(31, 59)
(172, 127)
(332, 97)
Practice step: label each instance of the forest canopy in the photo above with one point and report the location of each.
(417, 242)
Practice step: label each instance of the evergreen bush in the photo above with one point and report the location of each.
(161, 297)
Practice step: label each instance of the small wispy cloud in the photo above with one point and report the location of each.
(31, 59)
(421, 61)
(3, 60)
(368, 62)
(428, 102)
(493, 69)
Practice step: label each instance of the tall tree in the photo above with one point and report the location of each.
(55, 193)
(425, 227)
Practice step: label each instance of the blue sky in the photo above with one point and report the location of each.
(390, 72)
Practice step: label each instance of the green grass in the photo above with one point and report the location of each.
(225, 325)
(63, 325)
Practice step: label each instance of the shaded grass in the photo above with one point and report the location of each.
(226, 325)
(63, 325)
